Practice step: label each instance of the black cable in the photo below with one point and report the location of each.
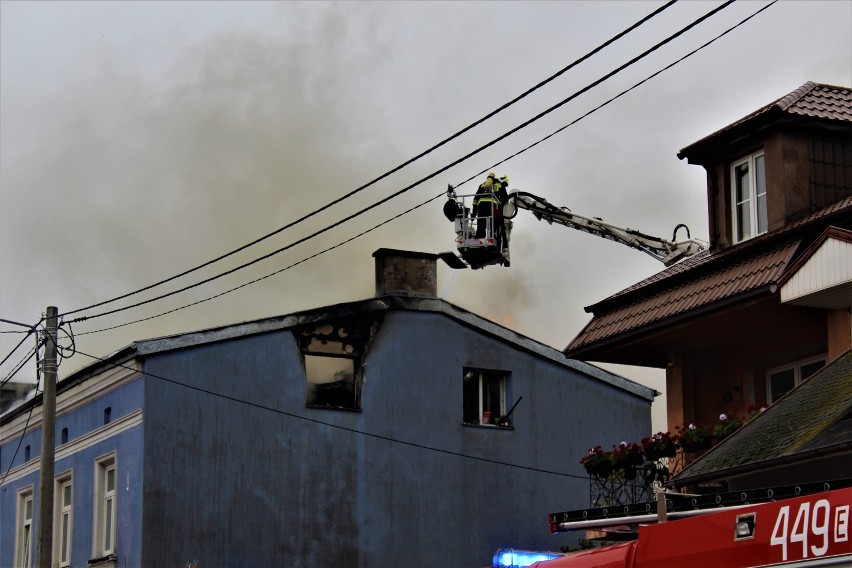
(338, 245)
(415, 184)
(330, 425)
(26, 424)
(12, 352)
(394, 170)
(442, 193)
(19, 365)
(624, 92)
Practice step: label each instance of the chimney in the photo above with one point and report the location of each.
(406, 272)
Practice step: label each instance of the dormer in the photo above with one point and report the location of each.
(784, 161)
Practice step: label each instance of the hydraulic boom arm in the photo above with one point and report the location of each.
(666, 251)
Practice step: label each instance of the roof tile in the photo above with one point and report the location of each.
(699, 291)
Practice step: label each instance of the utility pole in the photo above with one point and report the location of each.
(48, 441)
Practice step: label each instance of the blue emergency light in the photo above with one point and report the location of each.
(511, 558)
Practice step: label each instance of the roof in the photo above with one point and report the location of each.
(811, 100)
(753, 274)
(813, 417)
(385, 303)
(704, 281)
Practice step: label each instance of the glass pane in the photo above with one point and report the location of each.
(741, 183)
(28, 510)
(66, 495)
(108, 525)
(492, 395)
(809, 369)
(28, 537)
(63, 539)
(760, 193)
(742, 203)
(781, 382)
(331, 381)
(110, 479)
(470, 386)
(743, 221)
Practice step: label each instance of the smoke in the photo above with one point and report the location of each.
(142, 175)
(140, 139)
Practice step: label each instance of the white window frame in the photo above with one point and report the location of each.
(757, 216)
(797, 373)
(481, 376)
(63, 520)
(104, 521)
(25, 527)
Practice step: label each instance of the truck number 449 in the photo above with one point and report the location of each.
(812, 526)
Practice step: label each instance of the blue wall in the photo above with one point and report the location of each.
(229, 483)
(81, 422)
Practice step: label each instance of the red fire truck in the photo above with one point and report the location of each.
(812, 530)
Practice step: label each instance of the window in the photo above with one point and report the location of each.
(24, 537)
(62, 518)
(748, 182)
(485, 397)
(331, 382)
(332, 355)
(104, 513)
(782, 379)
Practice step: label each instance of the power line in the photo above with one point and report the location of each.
(256, 280)
(12, 352)
(419, 182)
(335, 426)
(607, 102)
(20, 365)
(394, 170)
(26, 424)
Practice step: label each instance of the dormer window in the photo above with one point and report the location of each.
(748, 182)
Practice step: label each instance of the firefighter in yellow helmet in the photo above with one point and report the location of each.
(488, 202)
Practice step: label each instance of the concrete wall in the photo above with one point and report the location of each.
(235, 484)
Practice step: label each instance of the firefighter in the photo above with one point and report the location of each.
(488, 202)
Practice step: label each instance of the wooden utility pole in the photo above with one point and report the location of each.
(48, 441)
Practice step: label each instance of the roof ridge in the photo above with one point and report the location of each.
(792, 98)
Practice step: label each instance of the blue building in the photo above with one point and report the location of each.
(399, 430)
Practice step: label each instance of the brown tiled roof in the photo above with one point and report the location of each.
(701, 281)
(813, 100)
(708, 259)
(813, 416)
(749, 275)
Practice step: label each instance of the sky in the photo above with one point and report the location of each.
(141, 139)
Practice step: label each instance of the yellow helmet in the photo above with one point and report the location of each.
(491, 175)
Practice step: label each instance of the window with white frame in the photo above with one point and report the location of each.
(484, 397)
(24, 529)
(782, 379)
(62, 518)
(103, 531)
(748, 185)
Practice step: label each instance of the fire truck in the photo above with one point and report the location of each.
(483, 240)
(806, 530)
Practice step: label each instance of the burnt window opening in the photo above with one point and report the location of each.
(332, 355)
(331, 382)
(484, 398)
(64, 436)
